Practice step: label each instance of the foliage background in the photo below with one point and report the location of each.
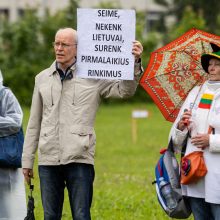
(124, 170)
(26, 45)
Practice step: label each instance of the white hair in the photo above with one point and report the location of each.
(70, 30)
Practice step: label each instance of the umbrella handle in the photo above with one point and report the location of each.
(31, 189)
(186, 121)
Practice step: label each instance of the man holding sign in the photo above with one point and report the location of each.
(61, 127)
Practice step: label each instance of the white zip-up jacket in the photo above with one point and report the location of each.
(209, 186)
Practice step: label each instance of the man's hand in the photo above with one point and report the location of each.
(137, 50)
(28, 174)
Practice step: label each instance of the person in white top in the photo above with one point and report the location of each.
(202, 110)
(12, 189)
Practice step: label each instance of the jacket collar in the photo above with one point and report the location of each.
(53, 69)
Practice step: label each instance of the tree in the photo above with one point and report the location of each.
(21, 49)
(26, 47)
(210, 10)
(189, 20)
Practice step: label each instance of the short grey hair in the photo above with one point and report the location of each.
(71, 30)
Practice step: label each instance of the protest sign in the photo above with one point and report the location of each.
(104, 49)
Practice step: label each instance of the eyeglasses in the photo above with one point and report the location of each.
(63, 45)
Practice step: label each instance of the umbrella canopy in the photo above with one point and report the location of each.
(30, 205)
(173, 70)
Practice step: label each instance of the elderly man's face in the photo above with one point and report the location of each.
(65, 47)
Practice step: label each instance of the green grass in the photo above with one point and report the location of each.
(124, 170)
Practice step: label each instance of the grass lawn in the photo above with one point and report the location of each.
(124, 170)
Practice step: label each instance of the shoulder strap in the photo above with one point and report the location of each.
(183, 149)
(170, 145)
(196, 96)
(1, 94)
(2, 91)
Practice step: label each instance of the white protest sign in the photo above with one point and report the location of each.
(104, 49)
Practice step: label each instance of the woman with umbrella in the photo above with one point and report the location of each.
(199, 122)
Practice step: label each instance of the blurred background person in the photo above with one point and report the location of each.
(12, 190)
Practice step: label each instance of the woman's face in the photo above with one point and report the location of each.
(214, 69)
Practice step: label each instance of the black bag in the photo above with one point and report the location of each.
(11, 148)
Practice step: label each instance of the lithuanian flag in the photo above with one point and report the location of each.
(206, 101)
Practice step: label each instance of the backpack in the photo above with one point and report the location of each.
(167, 167)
